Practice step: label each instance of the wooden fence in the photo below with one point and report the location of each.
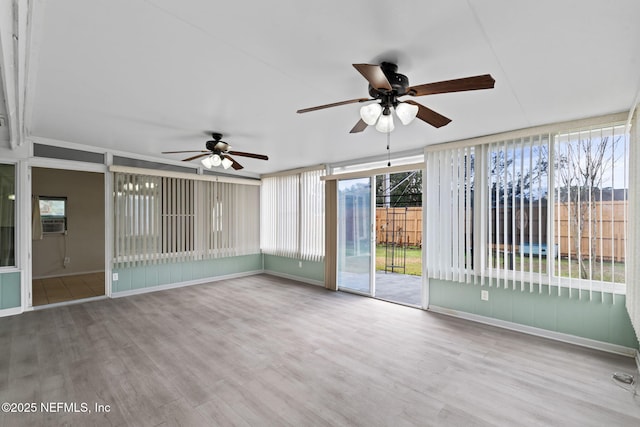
(607, 219)
(393, 226)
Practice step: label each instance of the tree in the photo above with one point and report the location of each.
(400, 190)
(582, 167)
(518, 175)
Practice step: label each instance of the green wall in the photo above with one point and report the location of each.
(606, 321)
(9, 290)
(310, 270)
(149, 276)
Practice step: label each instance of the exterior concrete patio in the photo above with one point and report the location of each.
(395, 287)
(401, 288)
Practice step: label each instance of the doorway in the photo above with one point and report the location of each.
(68, 247)
(379, 251)
(398, 219)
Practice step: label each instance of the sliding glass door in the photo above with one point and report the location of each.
(355, 235)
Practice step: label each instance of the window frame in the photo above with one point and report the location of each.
(14, 266)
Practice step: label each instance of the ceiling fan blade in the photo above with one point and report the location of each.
(430, 116)
(196, 156)
(252, 155)
(374, 75)
(235, 165)
(484, 81)
(335, 104)
(359, 127)
(191, 151)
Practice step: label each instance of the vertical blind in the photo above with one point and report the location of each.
(542, 209)
(449, 213)
(292, 215)
(591, 201)
(633, 270)
(516, 194)
(162, 219)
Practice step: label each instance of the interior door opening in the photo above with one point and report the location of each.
(380, 237)
(398, 219)
(68, 247)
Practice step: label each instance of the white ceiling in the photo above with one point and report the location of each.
(157, 75)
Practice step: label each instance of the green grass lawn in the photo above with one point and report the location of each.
(605, 272)
(413, 260)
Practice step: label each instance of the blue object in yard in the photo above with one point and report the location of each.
(536, 249)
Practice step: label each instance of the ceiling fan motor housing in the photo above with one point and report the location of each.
(216, 145)
(399, 82)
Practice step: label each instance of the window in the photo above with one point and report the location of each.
(159, 219)
(53, 214)
(517, 189)
(7, 215)
(292, 215)
(449, 204)
(541, 209)
(591, 200)
(177, 215)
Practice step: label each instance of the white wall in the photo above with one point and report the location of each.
(85, 223)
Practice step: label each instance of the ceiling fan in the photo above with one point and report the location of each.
(387, 86)
(218, 153)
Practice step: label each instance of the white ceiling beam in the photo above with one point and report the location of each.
(13, 46)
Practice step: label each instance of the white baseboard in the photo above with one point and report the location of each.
(296, 278)
(183, 284)
(558, 336)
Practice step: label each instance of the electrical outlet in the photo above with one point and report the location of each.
(115, 277)
(67, 260)
(484, 295)
(299, 264)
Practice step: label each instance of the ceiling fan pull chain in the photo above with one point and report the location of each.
(389, 149)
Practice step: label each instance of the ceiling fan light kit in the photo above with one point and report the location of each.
(373, 113)
(406, 112)
(370, 113)
(386, 85)
(218, 153)
(385, 123)
(207, 162)
(226, 163)
(216, 160)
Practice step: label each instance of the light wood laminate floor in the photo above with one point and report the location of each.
(265, 351)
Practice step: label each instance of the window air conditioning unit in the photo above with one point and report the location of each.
(54, 225)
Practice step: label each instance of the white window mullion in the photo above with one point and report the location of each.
(490, 212)
(445, 201)
(552, 201)
(468, 155)
(454, 220)
(530, 211)
(512, 210)
(520, 234)
(481, 234)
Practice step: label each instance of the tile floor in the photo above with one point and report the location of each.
(67, 288)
